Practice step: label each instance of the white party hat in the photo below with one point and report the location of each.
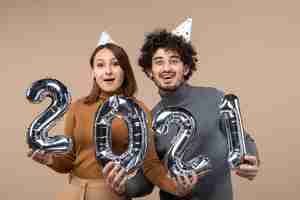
(105, 38)
(184, 29)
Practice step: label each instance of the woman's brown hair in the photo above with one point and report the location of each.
(128, 87)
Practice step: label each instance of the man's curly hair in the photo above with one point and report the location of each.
(161, 38)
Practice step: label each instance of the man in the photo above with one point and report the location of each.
(169, 61)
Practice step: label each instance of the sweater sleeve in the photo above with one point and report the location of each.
(251, 147)
(155, 171)
(63, 163)
(153, 168)
(138, 185)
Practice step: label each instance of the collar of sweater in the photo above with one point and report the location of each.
(176, 97)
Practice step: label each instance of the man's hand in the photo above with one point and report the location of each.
(249, 169)
(115, 177)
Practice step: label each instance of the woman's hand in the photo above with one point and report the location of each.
(185, 184)
(115, 177)
(41, 157)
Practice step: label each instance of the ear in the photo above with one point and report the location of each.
(186, 70)
(149, 73)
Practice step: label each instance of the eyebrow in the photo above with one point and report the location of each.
(175, 56)
(113, 59)
(157, 58)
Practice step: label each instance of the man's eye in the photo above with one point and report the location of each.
(159, 62)
(174, 62)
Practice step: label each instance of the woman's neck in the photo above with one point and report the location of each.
(104, 95)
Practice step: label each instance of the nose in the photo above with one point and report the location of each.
(166, 66)
(108, 69)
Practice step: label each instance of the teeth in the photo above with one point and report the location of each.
(167, 77)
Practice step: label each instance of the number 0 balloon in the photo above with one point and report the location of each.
(135, 118)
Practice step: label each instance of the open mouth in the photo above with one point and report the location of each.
(167, 76)
(109, 80)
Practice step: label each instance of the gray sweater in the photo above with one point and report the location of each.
(202, 103)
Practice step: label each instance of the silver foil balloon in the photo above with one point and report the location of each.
(231, 122)
(136, 121)
(199, 165)
(37, 133)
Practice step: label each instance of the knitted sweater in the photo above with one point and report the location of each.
(203, 103)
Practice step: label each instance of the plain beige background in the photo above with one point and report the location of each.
(250, 48)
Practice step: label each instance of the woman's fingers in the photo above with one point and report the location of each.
(40, 156)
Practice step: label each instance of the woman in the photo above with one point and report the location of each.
(113, 75)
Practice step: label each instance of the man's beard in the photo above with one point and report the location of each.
(166, 88)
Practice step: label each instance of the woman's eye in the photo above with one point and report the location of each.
(99, 65)
(116, 63)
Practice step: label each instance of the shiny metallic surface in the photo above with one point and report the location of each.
(199, 165)
(136, 121)
(37, 133)
(233, 128)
